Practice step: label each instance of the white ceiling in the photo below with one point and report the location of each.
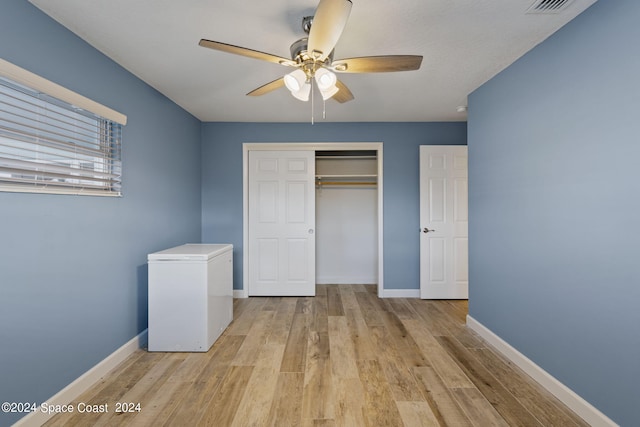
(464, 43)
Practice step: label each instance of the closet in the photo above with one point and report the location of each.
(346, 217)
(312, 215)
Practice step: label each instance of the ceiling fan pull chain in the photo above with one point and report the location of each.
(312, 102)
(324, 109)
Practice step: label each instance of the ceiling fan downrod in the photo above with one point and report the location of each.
(307, 21)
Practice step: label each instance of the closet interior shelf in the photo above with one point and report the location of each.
(343, 157)
(347, 176)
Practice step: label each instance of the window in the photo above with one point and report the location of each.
(49, 145)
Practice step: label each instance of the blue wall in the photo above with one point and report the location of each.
(554, 201)
(73, 274)
(222, 181)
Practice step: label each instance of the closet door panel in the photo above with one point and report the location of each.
(281, 231)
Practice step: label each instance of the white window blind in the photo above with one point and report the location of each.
(49, 145)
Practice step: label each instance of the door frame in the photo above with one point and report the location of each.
(310, 146)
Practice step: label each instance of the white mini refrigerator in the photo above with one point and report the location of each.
(190, 296)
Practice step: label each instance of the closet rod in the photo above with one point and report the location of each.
(321, 183)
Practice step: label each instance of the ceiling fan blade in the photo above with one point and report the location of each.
(243, 51)
(328, 23)
(377, 64)
(266, 88)
(344, 94)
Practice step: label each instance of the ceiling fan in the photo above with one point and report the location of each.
(312, 57)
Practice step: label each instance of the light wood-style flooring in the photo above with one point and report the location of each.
(342, 358)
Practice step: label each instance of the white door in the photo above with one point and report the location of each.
(282, 223)
(444, 250)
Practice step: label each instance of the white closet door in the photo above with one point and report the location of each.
(282, 223)
(444, 222)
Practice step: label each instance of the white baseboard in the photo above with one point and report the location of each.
(567, 396)
(85, 381)
(386, 293)
(401, 293)
(240, 293)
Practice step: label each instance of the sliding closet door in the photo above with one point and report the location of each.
(281, 223)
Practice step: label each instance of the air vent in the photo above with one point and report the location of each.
(549, 6)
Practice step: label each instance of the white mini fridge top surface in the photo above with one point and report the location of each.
(191, 251)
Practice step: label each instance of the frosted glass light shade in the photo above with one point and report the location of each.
(297, 84)
(303, 93)
(326, 81)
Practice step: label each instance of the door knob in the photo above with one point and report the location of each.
(426, 230)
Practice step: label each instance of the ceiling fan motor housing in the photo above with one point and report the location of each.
(299, 48)
(301, 55)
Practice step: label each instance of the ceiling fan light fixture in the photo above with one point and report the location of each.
(296, 82)
(303, 93)
(325, 79)
(328, 93)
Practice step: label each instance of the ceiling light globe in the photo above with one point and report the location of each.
(325, 79)
(328, 93)
(303, 93)
(298, 85)
(291, 83)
